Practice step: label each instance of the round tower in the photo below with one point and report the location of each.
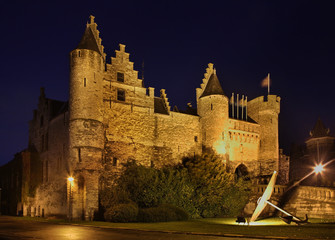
(213, 107)
(86, 130)
(265, 111)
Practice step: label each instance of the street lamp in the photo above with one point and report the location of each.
(319, 168)
(70, 179)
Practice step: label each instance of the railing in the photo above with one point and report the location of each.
(277, 190)
(317, 193)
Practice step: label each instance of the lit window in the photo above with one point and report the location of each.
(121, 95)
(120, 77)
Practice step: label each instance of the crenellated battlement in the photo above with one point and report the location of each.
(269, 103)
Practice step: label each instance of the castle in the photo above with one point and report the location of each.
(112, 118)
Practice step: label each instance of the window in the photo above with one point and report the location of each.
(41, 121)
(120, 77)
(84, 82)
(196, 138)
(121, 95)
(79, 155)
(114, 161)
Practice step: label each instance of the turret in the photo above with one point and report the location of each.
(86, 130)
(213, 112)
(265, 111)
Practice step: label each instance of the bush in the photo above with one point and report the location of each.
(162, 213)
(122, 213)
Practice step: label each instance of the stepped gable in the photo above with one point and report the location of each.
(90, 39)
(319, 130)
(159, 106)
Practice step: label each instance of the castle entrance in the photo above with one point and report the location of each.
(241, 172)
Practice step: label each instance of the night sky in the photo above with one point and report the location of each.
(292, 40)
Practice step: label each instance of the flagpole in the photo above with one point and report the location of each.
(242, 105)
(268, 83)
(232, 104)
(237, 110)
(246, 108)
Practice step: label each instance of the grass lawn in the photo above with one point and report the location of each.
(275, 227)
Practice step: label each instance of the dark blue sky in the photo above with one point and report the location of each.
(293, 40)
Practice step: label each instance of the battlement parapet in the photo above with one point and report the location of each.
(265, 103)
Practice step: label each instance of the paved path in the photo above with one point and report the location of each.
(11, 228)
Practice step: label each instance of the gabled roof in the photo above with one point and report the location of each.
(213, 87)
(319, 130)
(88, 41)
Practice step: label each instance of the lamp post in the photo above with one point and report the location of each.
(318, 169)
(70, 179)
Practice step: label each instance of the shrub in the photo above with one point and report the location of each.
(162, 213)
(122, 213)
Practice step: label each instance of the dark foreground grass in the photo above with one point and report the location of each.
(273, 227)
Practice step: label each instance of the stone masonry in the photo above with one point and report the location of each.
(111, 118)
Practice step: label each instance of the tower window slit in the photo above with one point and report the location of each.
(84, 82)
(114, 161)
(79, 155)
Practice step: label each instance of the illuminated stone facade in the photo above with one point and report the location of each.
(112, 118)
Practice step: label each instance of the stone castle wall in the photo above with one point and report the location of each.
(243, 144)
(50, 196)
(265, 112)
(140, 134)
(316, 202)
(113, 118)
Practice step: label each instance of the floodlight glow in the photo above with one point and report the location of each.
(70, 179)
(318, 168)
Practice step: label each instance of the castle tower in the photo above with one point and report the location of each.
(265, 111)
(86, 130)
(213, 111)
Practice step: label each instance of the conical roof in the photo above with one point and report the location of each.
(88, 41)
(319, 130)
(213, 87)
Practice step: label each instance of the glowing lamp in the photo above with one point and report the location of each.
(70, 179)
(318, 168)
